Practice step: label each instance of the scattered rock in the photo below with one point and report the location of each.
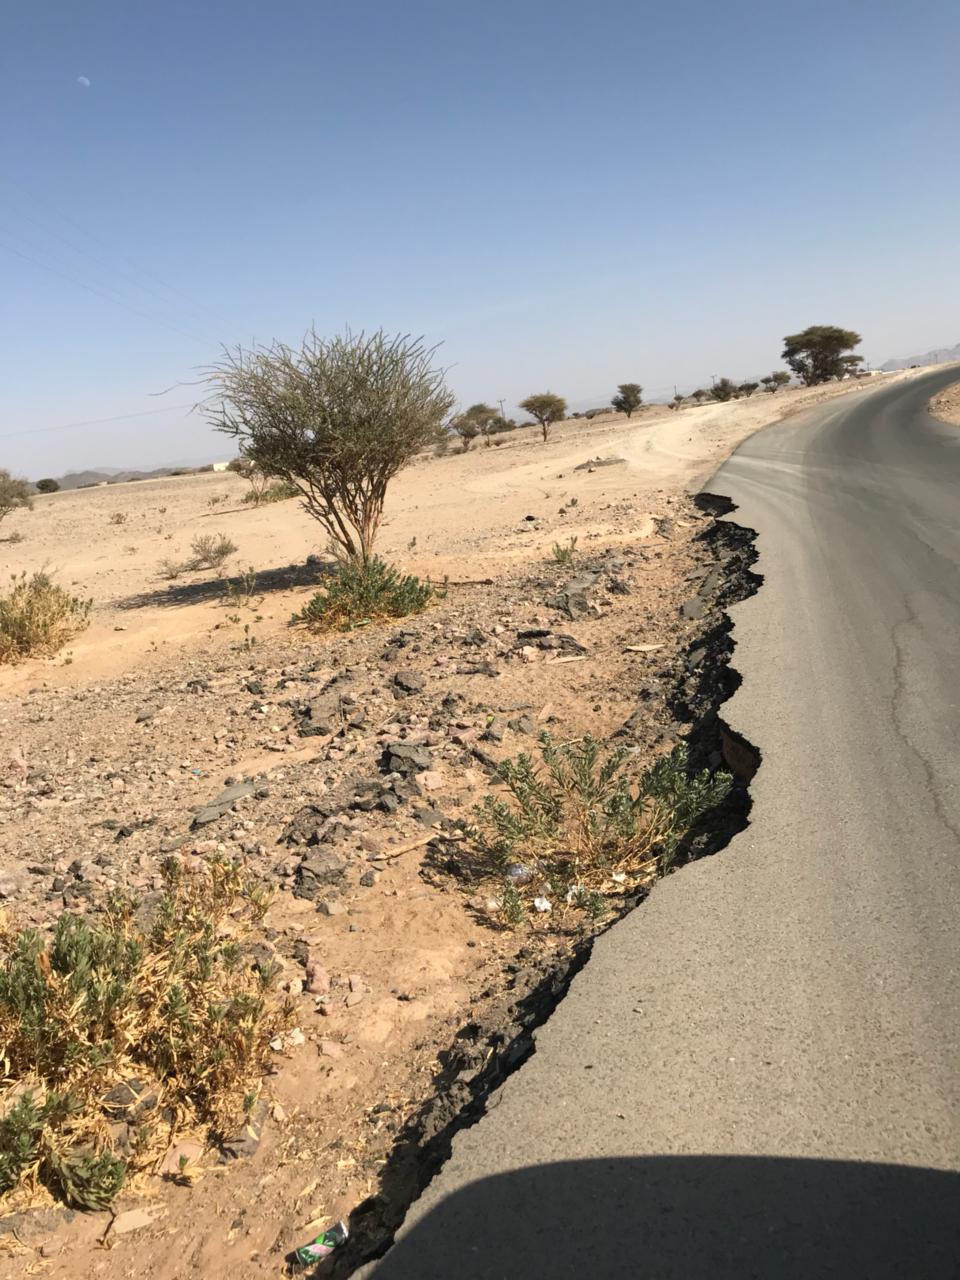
(406, 682)
(135, 1219)
(318, 872)
(405, 759)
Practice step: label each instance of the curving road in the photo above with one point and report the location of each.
(758, 1073)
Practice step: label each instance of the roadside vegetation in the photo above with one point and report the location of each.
(628, 399)
(364, 591)
(38, 617)
(120, 1034)
(14, 494)
(583, 823)
(336, 418)
(546, 409)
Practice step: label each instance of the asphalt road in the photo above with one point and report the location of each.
(758, 1072)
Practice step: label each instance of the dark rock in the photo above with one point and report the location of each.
(402, 758)
(318, 872)
(407, 681)
(223, 803)
(524, 725)
(495, 729)
(475, 637)
(692, 609)
(574, 597)
(592, 463)
(477, 669)
(246, 1141)
(618, 586)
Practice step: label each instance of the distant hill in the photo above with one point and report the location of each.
(942, 355)
(107, 475)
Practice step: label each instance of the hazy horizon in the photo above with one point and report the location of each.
(563, 197)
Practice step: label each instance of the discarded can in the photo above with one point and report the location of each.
(321, 1247)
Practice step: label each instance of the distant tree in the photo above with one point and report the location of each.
(14, 494)
(336, 418)
(677, 401)
(48, 486)
(700, 395)
(478, 420)
(724, 389)
(546, 408)
(817, 354)
(628, 398)
(774, 381)
(747, 388)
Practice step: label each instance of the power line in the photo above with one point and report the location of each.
(196, 304)
(94, 422)
(99, 292)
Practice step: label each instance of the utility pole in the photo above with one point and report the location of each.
(502, 414)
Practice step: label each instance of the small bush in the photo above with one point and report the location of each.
(172, 569)
(210, 550)
(363, 592)
(564, 554)
(38, 617)
(578, 819)
(48, 486)
(279, 491)
(168, 1013)
(14, 494)
(242, 592)
(118, 517)
(16, 537)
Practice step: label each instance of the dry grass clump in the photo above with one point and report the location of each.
(38, 617)
(582, 823)
(117, 1035)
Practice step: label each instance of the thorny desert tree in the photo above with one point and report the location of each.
(13, 494)
(336, 418)
(478, 420)
(628, 399)
(817, 354)
(546, 408)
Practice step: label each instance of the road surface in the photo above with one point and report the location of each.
(758, 1072)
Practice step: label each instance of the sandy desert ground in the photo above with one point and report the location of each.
(110, 752)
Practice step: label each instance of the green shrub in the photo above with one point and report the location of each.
(279, 491)
(38, 617)
(581, 817)
(167, 1004)
(210, 550)
(48, 486)
(363, 592)
(563, 554)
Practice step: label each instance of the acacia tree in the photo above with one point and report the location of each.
(48, 486)
(747, 388)
(478, 420)
(14, 494)
(337, 418)
(700, 395)
(628, 398)
(817, 354)
(774, 381)
(546, 408)
(723, 389)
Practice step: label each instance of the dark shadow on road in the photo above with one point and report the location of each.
(685, 1217)
(216, 588)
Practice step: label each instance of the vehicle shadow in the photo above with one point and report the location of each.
(685, 1217)
(217, 588)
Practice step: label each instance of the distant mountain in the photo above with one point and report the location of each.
(942, 355)
(107, 475)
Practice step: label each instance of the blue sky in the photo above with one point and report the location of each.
(566, 195)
